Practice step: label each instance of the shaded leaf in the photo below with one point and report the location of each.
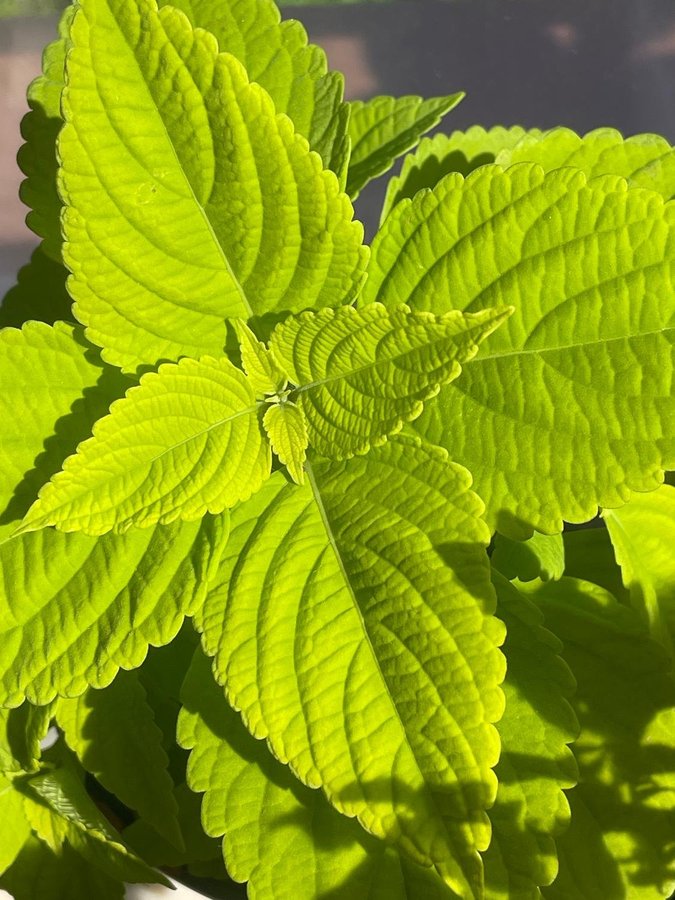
(14, 826)
(643, 535)
(113, 734)
(281, 837)
(21, 732)
(541, 556)
(536, 764)
(621, 842)
(461, 151)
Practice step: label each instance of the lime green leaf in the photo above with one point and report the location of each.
(61, 796)
(14, 826)
(620, 843)
(214, 208)
(569, 406)
(589, 555)
(37, 158)
(74, 609)
(186, 441)
(40, 294)
(286, 428)
(282, 837)
(461, 151)
(53, 387)
(277, 55)
(643, 535)
(541, 556)
(363, 373)
(342, 603)
(645, 160)
(114, 735)
(535, 763)
(197, 848)
(41, 874)
(21, 731)
(262, 369)
(384, 128)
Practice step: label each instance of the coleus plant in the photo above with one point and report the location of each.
(261, 481)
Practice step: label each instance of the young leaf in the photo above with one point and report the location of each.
(60, 796)
(262, 369)
(37, 158)
(587, 356)
(294, 73)
(74, 609)
(286, 428)
(541, 556)
(362, 374)
(384, 128)
(114, 735)
(535, 765)
(14, 826)
(21, 731)
(185, 442)
(338, 607)
(620, 842)
(281, 837)
(212, 207)
(39, 873)
(645, 160)
(643, 535)
(461, 151)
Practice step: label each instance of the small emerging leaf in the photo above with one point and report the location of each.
(21, 731)
(363, 373)
(263, 371)
(541, 556)
(287, 430)
(186, 441)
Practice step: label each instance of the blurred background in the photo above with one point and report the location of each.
(581, 63)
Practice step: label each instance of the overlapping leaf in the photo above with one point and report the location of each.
(363, 373)
(188, 199)
(60, 811)
(277, 55)
(645, 160)
(589, 556)
(185, 442)
(40, 872)
(74, 609)
(37, 158)
(384, 128)
(21, 731)
(643, 535)
(621, 840)
(461, 151)
(351, 625)
(535, 765)
(570, 405)
(541, 556)
(281, 837)
(114, 735)
(15, 829)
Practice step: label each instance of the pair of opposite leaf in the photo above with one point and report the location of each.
(188, 441)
